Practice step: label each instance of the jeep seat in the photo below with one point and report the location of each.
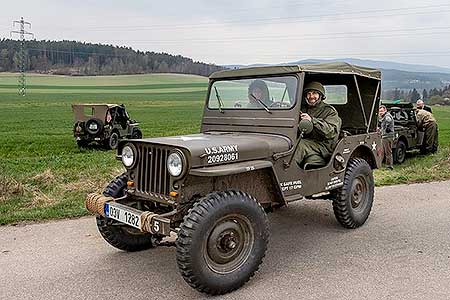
(313, 161)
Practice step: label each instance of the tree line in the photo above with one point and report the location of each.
(432, 96)
(79, 58)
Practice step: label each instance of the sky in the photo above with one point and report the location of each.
(250, 31)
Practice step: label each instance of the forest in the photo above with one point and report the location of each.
(80, 58)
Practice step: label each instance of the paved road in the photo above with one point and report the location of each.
(402, 252)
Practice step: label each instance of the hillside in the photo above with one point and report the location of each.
(395, 75)
(77, 58)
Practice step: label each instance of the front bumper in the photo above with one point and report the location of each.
(149, 221)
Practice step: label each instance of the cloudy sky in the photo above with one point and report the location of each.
(249, 31)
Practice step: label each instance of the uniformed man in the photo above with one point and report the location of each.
(421, 105)
(316, 148)
(426, 122)
(386, 127)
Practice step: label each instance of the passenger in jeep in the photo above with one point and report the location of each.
(258, 90)
(316, 148)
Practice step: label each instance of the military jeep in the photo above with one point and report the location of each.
(105, 124)
(407, 136)
(212, 190)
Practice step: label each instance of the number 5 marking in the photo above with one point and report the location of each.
(156, 226)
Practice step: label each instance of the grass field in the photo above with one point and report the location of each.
(44, 175)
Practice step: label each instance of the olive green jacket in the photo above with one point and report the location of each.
(327, 125)
(424, 118)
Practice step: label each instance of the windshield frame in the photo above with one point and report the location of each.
(261, 108)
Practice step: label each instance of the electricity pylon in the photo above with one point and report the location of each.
(22, 53)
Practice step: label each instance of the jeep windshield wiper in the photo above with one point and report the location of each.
(262, 103)
(219, 100)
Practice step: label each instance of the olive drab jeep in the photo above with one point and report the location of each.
(212, 189)
(105, 124)
(407, 135)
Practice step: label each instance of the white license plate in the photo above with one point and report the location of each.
(124, 214)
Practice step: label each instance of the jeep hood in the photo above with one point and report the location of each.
(214, 148)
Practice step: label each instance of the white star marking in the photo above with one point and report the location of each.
(374, 146)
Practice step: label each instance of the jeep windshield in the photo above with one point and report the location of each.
(267, 93)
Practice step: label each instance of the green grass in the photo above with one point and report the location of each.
(43, 174)
(419, 168)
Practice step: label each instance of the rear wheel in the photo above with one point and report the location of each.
(400, 153)
(222, 242)
(113, 140)
(82, 143)
(122, 236)
(354, 200)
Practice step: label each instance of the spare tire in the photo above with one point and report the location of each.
(94, 126)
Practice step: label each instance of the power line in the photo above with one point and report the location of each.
(308, 37)
(348, 54)
(81, 52)
(312, 36)
(408, 53)
(22, 54)
(345, 16)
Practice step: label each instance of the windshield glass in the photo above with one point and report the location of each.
(263, 93)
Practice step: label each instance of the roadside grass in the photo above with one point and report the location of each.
(423, 168)
(44, 175)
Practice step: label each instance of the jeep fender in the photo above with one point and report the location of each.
(365, 152)
(256, 178)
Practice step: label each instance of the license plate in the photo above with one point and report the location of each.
(124, 214)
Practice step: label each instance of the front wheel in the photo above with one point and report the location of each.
(354, 200)
(136, 133)
(400, 153)
(122, 236)
(222, 241)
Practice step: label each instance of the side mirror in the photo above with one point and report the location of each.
(305, 126)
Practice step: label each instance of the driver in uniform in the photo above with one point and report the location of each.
(317, 147)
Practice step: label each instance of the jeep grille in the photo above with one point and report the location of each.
(152, 174)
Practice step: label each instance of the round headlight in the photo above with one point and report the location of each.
(175, 164)
(127, 156)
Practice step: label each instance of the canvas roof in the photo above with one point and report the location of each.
(329, 68)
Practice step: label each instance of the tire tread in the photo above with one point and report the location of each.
(194, 218)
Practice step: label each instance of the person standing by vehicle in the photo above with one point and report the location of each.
(426, 122)
(421, 105)
(386, 127)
